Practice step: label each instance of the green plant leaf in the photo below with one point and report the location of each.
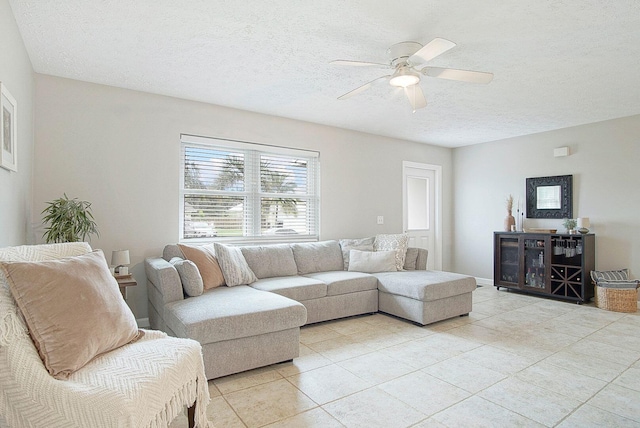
(68, 220)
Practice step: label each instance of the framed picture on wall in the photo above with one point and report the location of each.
(8, 128)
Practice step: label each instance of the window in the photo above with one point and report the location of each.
(239, 191)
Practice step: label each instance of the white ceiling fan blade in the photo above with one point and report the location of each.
(357, 63)
(416, 96)
(362, 88)
(431, 50)
(462, 75)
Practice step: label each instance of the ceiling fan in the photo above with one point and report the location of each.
(407, 59)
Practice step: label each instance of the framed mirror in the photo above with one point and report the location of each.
(550, 197)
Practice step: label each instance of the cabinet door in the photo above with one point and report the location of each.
(536, 260)
(507, 263)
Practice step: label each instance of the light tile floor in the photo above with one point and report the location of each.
(516, 360)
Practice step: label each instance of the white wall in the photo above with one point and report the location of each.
(16, 74)
(604, 163)
(120, 150)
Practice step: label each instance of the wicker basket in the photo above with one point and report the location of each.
(617, 299)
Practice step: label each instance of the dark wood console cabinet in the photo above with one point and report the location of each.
(555, 265)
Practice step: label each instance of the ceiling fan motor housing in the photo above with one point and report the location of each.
(400, 52)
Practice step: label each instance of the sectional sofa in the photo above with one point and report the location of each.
(258, 324)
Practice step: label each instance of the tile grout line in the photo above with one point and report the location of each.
(377, 324)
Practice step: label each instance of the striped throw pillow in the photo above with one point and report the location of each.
(234, 266)
(609, 275)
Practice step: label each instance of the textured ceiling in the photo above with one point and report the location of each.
(556, 63)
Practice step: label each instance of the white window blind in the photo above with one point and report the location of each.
(237, 191)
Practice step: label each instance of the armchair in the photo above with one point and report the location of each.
(146, 383)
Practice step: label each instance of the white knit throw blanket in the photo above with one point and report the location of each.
(144, 384)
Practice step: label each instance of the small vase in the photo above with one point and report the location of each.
(508, 222)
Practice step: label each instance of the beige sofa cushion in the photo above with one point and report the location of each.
(341, 282)
(270, 260)
(73, 309)
(318, 257)
(227, 313)
(425, 285)
(298, 288)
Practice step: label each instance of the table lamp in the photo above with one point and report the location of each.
(583, 225)
(120, 258)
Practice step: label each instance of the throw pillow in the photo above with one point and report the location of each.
(372, 261)
(205, 259)
(398, 243)
(234, 267)
(609, 275)
(73, 309)
(411, 259)
(364, 244)
(189, 276)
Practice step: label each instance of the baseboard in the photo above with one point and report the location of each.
(484, 281)
(489, 282)
(143, 322)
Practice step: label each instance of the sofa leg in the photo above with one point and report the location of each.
(465, 315)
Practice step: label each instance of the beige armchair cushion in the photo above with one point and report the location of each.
(73, 309)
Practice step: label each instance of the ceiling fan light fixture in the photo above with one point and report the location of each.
(404, 81)
(404, 77)
(406, 59)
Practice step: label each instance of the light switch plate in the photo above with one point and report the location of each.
(380, 219)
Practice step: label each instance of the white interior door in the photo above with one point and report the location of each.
(421, 195)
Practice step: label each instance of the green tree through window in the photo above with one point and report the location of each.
(248, 193)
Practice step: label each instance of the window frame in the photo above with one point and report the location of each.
(252, 191)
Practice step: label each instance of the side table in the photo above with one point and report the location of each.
(125, 281)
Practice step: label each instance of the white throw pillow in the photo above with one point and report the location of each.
(234, 266)
(372, 261)
(398, 243)
(363, 244)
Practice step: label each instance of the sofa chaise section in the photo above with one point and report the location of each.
(425, 297)
(239, 328)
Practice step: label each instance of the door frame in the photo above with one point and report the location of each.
(437, 229)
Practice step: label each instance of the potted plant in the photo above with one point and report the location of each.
(68, 220)
(570, 225)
